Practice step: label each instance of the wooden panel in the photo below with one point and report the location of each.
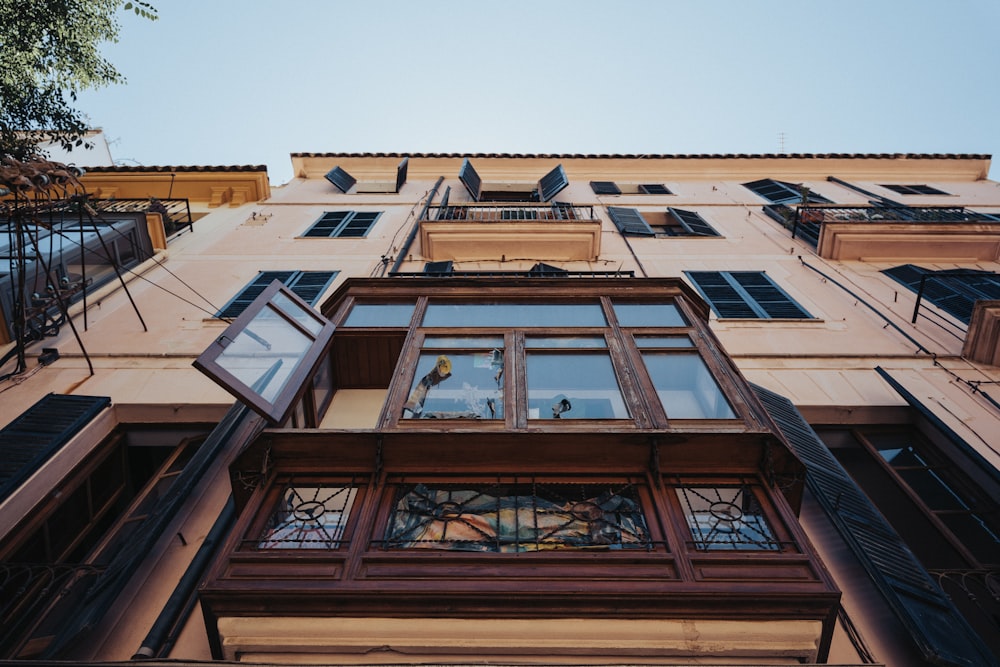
(522, 567)
(365, 360)
(753, 569)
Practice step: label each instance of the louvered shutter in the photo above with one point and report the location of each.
(358, 224)
(444, 212)
(551, 183)
(310, 285)
(39, 432)
(935, 626)
(341, 179)
(629, 221)
(470, 179)
(252, 291)
(692, 222)
(653, 189)
(401, 173)
(721, 295)
(768, 296)
(605, 188)
(327, 225)
(954, 294)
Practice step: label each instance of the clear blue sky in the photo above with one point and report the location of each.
(249, 82)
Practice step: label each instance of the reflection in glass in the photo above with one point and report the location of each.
(649, 315)
(663, 341)
(566, 342)
(573, 386)
(685, 387)
(507, 315)
(517, 517)
(306, 319)
(726, 517)
(379, 315)
(457, 385)
(265, 353)
(309, 517)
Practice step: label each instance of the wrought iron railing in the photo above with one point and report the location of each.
(805, 222)
(555, 212)
(515, 274)
(176, 212)
(976, 594)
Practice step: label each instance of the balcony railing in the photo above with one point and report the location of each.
(477, 213)
(805, 222)
(176, 212)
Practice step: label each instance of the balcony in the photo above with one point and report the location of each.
(888, 233)
(546, 232)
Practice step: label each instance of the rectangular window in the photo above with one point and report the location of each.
(954, 291)
(672, 222)
(726, 518)
(746, 295)
(343, 224)
(519, 516)
(684, 384)
(308, 285)
(369, 315)
(309, 517)
(605, 188)
(612, 188)
(507, 315)
(567, 383)
(779, 192)
(914, 189)
(458, 378)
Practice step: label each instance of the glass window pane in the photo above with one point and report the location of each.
(517, 517)
(506, 315)
(309, 517)
(573, 386)
(649, 315)
(457, 385)
(380, 315)
(663, 341)
(265, 353)
(726, 517)
(307, 320)
(450, 342)
(685, 387)
(566, 342)
(975, 534)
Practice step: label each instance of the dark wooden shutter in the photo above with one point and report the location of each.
(542, 269)
(341, 179)
(470, 179)
(768, 296)
(936, 627)
(692, 222)
(721, 295)
(310, 285)
(359, 224)
(654, 189)
(252, 291)
(630, 221)
(954, 294)
(605, 188)
(401, 173)
(39, 432)
(551, 183)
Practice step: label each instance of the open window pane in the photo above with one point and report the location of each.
(726, 518)
(573, 386)
(457, 385)
(685, 387)
(515, 518)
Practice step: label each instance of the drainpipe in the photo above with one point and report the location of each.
(173, 610)
(416, 228)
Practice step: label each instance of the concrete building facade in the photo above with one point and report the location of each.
(508, 409)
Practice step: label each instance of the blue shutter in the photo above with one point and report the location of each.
(327, 225)
(341, 179)
(401, 173)
(654, 189)
(39, 432)
(310, 285)
(542, 269)
(692, 222)
(605, 188)
(629, 221)
(954, 294)
(771, 299)
(551, 183)
(252, 291)
(470, 179)
(936, 627)
(722, 295)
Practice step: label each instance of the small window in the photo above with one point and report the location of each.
(370, 315)
(307, 285)
(683, 383)
(605, 188)
(309, 517)
(343, 224)
(745, 294)
(507, 315)
(612, 188)
(690, 223)
(672, 222)
(649, 315)
(653, 189)
(914, 189)
(521, 516)
(779, 192)
(726, 518)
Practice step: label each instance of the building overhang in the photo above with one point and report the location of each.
(208, 186)
(945, 242)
